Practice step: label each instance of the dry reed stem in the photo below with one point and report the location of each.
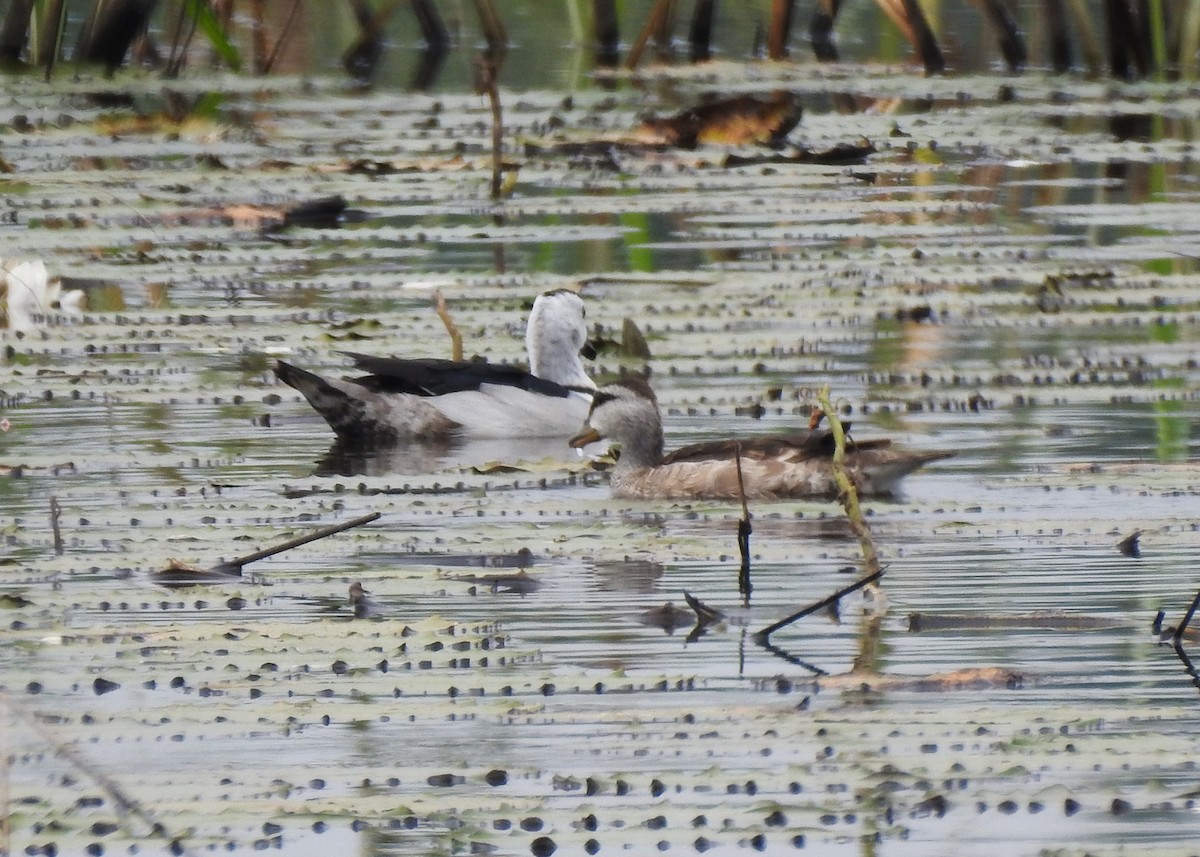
(456, 349)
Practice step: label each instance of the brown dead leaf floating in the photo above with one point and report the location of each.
(736, 121)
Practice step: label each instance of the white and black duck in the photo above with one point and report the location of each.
(400, 399)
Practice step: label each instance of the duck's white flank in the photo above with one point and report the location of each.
(425, 399)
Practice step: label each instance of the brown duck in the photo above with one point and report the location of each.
(773, 467)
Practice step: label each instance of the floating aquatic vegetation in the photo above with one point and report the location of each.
(1005, 278)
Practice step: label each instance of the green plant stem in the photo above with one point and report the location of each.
(847, 492)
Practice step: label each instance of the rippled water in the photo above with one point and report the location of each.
(160, 432)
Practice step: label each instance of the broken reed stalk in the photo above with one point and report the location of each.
(1187, 620)
(456, 351)
(55, 514)
(485, 83)
(781, 24)
(258, 35)
(763, 635)
(656, 24)
(744, 531)
(324, 532)
(1177, 638)
(179, 52)
(847, 493)
(284, 32)
(54, 20)
(1089, 42)
(493, 27)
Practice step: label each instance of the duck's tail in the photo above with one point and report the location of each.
(364, 417)
(334, 401)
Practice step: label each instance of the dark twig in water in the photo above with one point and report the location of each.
(121, 800)
(744, 531)
(234, 566)
(55, 513)
(1177, 637)
(761, 637)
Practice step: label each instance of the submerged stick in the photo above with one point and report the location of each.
(456, 351)
(763, 635)
(123, 802)
(234, 566)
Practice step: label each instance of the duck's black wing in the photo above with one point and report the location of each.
(798, 446)
(435, 377)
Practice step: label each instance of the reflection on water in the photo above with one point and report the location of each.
(556, 47)
(534, 454)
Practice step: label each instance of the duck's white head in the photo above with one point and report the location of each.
(626, 411)
(556, 333)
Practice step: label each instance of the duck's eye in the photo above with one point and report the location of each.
(600, 398)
